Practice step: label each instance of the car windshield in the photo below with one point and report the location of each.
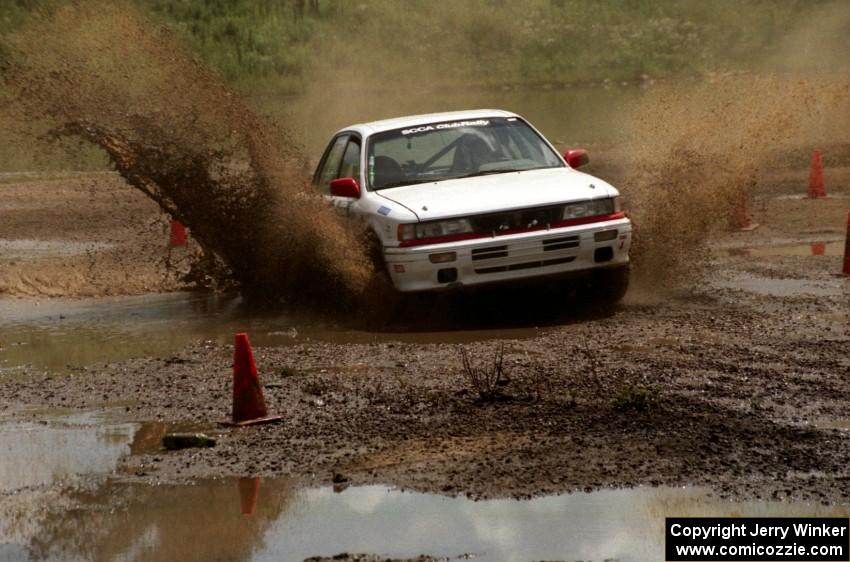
(456, 149)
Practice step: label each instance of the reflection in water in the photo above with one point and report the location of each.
(267, 520)
(56, 504)
(833, 248)
(60, 450)
(59, 335)
(783, 287)
(65, 449)
(249, 489)
(204, 522)
(250, 519)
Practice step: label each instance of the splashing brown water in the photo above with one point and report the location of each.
(174, 131)
(698, 149)
(696, 146)
(102, 72)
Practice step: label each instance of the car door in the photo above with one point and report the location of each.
(342, 160)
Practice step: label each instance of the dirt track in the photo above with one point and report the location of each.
(731, 384)
(84, 236)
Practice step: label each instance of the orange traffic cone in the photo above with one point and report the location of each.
(249, 489)
(817, 189)
(846, 270)
(178, 234)
(744, 221)
(249, 407)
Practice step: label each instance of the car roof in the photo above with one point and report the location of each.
(366, 129)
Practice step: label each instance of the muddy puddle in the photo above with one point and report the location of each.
(92, 514)
(834, 424)
(816, 248)
(11, 250)
(803, 196)
(63, 335)
(46, 448)
(63, 447)
(777, 286)
(269, 519)
(773, 287)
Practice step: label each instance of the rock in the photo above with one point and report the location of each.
(175, 441)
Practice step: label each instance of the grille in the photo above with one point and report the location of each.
(490, 253)
(524, 265)
(522, 218)
(564, 243)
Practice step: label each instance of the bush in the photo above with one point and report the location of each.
(633, 399)
(485, 380)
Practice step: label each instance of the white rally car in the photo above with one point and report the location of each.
(476, 197)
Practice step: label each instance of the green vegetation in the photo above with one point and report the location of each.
(14, 12)
(246, 40)
(281, 44)
(633, 399)
(479, 42)
(413, 52)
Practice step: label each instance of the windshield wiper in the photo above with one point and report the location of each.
(491, 172)
(399, 184)
(470, 175)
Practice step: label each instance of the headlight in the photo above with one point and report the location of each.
(434, 229)
(592, 208)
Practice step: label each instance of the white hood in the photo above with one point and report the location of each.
(497, 192)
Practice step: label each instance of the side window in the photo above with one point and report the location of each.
(330, 164)
(351, 160)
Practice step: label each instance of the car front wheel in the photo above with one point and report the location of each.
(610, 285)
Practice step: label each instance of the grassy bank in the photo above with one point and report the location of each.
(275, 45)
(478, 41)
(325, 51)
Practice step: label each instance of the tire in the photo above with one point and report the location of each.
(610, 285)
(375, 252)
(393, 308)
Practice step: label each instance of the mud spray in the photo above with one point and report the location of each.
(175, 132)
(696, 149)
(171, 128)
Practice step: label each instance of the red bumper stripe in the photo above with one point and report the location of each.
(474, 235)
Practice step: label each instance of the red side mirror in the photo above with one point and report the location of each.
(576, 157)
(345, 187)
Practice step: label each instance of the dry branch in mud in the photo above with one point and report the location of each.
(485, 380)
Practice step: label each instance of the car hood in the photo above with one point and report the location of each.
(497, 192)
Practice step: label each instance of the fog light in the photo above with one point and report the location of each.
(601, 255)
(444, 257)
(605, 235)
(447, 275)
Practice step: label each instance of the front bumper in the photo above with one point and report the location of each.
(513, 257)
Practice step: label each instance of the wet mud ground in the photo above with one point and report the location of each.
(738, 383)
(83, 235)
